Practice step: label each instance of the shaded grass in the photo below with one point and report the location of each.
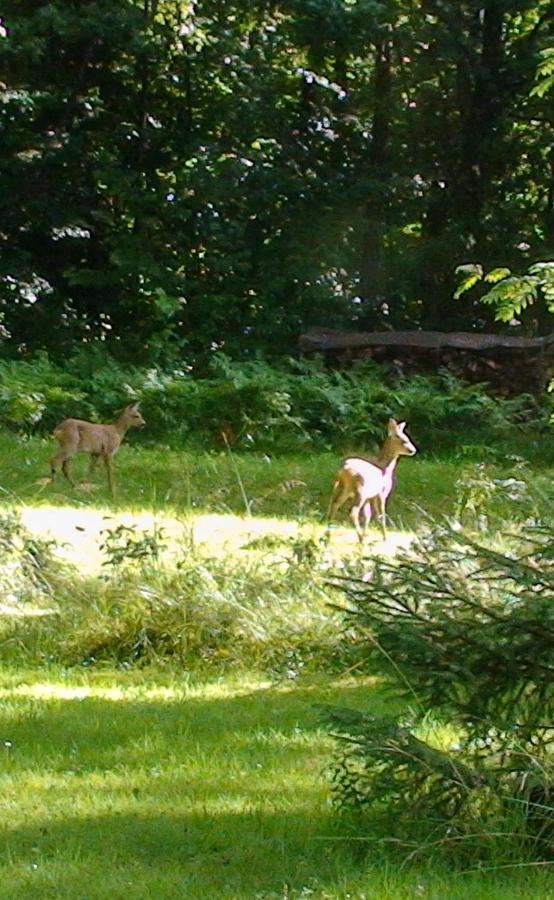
(156, 785)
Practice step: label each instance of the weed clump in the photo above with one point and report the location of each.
(27, 565)
(267, 611)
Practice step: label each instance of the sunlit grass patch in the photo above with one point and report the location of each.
(295, 487)
(79, 534)
(204, 558)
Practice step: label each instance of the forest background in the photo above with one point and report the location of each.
(183, 177)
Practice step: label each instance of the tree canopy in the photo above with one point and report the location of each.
(180, 176)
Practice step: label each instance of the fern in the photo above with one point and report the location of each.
(511, 296)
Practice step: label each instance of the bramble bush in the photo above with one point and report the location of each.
(463, 634)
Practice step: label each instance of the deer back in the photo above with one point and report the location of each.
(362, 476)
(77, 434)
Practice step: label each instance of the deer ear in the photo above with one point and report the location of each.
(402, 426)
(391, 425)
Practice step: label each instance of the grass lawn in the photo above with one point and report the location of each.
(148, 784)
(121, 781)
(217, 503)
(294, 488)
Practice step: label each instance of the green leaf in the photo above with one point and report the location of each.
(542, 268)
(511, 296)
(545, 74)
(497, 274)
(472, 273)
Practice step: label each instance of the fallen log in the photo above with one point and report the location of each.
(508, 364)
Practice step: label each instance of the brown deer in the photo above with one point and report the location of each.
(101, 441)
(368, 483)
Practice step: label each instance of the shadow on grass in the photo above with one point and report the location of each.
(191, 796)
(57, 728)
(178, 797)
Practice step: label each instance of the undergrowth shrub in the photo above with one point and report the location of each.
(463, 635)
(38, 393)
(287, 406)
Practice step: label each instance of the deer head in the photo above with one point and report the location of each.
(399, 442)
(131, 417)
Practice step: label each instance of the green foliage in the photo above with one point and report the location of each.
(471, 273)
(478, 487)
(27, 564)
(511, 294)
(125, 544)
(545, 73)
(36, 393)
(463, 632)
(285, 407)
(171, 184)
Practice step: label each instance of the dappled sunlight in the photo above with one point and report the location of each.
(130, 694)
(223, 796)
(17, 611)
(78, 533)
(51, 691)
(231, 688)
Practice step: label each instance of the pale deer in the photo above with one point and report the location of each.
(367, 484)
(101, 441)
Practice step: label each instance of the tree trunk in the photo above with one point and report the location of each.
(372, 269)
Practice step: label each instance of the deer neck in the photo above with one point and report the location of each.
(387, 459)
(121, 426)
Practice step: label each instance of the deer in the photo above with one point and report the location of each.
(101, 441)
(368, 483)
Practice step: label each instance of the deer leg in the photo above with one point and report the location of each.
(355, 516)
(364, 518)
(57, 462)
(94, 457)
(379, 509)
(65, 469)
(54, 462)
(338, 498)
(61, 460)
(108, 464)
(67, 447)
(366, 515)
